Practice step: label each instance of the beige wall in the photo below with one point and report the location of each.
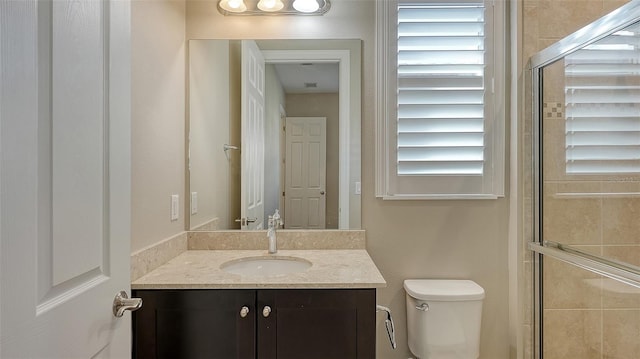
(158, 107)
(323, 105)
(408, 239)
(235, 186)
(209, 129)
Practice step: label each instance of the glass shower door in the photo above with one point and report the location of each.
(588, 192)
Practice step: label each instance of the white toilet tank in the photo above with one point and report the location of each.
(443, 318)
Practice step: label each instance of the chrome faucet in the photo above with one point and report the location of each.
(274, 223)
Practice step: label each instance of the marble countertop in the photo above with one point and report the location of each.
(200, 269)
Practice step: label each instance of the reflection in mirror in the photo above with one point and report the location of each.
(284, 134)
(590, 111)
(602, 93)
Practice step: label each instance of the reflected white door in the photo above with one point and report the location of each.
(305, 172)
(252, 173)
(65, 175)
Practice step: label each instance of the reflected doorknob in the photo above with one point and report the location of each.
(122, 302)
(244, 221)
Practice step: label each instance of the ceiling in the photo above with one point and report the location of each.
(320, 77)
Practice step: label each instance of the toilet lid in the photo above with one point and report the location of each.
(443, 289)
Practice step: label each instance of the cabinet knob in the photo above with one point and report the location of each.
(266, 311)
(244, 311)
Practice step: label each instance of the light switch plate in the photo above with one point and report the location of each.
(175, 207)
(358, 188)
(194, 202)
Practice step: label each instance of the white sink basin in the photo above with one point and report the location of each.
(266, 266)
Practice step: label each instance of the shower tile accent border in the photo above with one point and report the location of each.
(553, 110)
(287, 239)
(152, 257)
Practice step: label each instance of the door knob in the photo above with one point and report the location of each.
(322, 193)
(122, 302)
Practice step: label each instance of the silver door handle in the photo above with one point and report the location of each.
(122, 302)
(243, 221)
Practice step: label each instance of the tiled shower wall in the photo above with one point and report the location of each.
(586, 315)
(543, 23)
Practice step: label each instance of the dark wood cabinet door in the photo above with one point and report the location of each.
(316, 324)
(195, 324)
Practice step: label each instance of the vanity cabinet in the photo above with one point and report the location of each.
(279, 323)
(194, 324)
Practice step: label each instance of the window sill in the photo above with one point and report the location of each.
(408, 197)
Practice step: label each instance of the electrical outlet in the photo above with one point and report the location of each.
(175, 207)
(194, 202)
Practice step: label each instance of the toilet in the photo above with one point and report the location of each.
(443, 318)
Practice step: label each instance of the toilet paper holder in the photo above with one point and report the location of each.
(388, 322)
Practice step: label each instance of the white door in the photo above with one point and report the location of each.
(306, 172)
(252, 173)
(283, 164)
(65, 178)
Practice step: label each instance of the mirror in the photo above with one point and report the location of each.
(309, 85)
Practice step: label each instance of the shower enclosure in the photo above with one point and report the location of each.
(586, 183)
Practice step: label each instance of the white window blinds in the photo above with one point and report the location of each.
(440, 111)
(602, 88)
(441, 88)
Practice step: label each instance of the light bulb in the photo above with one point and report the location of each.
(306, 5)
(233, 5)
(270, 5)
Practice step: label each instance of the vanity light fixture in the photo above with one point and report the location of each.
(232, 6)
(306, 6)
(273, 7)
(270, 5)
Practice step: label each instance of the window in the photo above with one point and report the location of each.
(440, 127)
(602, 111)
